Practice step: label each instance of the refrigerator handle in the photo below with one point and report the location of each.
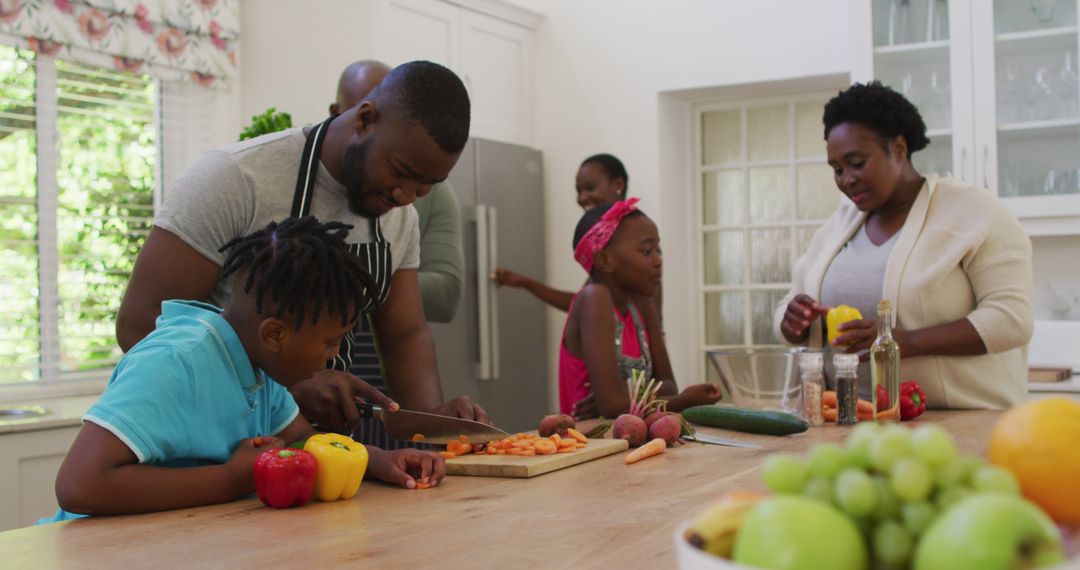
(493, 296)
(483, 292)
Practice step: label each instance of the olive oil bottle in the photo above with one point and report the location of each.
(885, 368)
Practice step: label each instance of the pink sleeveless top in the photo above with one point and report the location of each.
(574, 375)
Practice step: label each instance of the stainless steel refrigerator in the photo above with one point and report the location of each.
(495, 349)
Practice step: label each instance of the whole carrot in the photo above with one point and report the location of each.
(654, 447)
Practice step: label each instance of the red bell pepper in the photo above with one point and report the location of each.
(912, 401)
(882, 398)
(284, 477)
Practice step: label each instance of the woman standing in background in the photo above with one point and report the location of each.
(601, 180)
(955, 263)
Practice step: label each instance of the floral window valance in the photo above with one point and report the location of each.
(177, 40)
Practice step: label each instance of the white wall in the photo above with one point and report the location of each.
(292, 53)
(600, 68)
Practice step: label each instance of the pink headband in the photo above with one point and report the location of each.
(600, 234)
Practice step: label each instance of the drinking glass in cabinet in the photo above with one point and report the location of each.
(1065, 85)
(939, 20)
(900, 22)
(1044, 10)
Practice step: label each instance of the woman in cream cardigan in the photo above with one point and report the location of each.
(954, 262)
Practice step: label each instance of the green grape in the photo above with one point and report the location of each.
(893, 444)
(946, 498)
(994, 479)
(819, 488)
(933, 445)
(859, 444)
(855, 492)
(888, 503)
(917, 516)
(891, 544)
(860, 441)
(828, 459)
(952, 473)
(971, 464)
(784, 474)
(911, 479)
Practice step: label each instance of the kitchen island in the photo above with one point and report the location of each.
(597, 514)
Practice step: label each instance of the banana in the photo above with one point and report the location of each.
(714, 529)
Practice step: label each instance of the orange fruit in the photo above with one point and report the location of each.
(1036, 441)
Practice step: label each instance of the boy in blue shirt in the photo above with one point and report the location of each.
(189, 407)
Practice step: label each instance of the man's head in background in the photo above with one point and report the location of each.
(358, 79)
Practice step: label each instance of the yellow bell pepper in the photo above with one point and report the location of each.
(838, 315)
(341, 465)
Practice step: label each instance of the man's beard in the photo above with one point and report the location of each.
(357, 184)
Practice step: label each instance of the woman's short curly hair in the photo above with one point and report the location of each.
(881, 109)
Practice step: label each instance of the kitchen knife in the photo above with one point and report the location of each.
(704, 438)
(436, 429)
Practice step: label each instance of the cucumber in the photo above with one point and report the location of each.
(744, 419)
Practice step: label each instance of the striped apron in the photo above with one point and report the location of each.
(357, 354)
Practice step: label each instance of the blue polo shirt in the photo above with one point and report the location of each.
(187, 394)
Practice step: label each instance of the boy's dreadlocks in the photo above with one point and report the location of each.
(303, 265)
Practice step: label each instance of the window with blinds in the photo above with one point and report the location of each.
(79, 163)
(763, 187)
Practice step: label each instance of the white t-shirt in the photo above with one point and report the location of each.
(239, 189)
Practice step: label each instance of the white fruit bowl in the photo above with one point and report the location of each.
(690, 558)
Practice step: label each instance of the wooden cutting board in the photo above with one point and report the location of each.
(524, 467)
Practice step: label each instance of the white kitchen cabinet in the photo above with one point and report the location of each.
(487, 43)
(29, 462)
(997, 83)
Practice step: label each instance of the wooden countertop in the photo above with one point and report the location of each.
(598, 514)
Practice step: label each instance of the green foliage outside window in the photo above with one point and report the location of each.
(106, 168)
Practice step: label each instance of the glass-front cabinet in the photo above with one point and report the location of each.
(997, 83)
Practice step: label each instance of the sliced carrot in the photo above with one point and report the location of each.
(556, 438)
(577, 435)
(570, 449)
(423, 485)
(481, 453)
(500, 452)
(528, 453)
(830, 414)
(454, 447)
(580, 446)
(545, 447)
(521, 435)
(864, 407)
(466, 448)
(828, 398)
(889, 414)
(418, 437)
(463, 439)
(568, 444)
(654, 447)
(447, 454)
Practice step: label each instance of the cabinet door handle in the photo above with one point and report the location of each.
(986, 159)
(963, 164)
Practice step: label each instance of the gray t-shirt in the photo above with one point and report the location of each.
(236, 190)
(856, 278)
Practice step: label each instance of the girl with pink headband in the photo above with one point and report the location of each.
(613, 327)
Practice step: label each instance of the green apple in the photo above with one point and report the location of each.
(988, 532)
(788, 532)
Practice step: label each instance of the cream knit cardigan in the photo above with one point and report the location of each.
(961, 254)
